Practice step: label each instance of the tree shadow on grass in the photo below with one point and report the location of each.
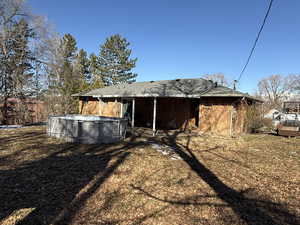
(14, 137)
(58, 185)
(252, 210)
(246, 206)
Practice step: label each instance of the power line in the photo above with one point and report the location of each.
(256, 40)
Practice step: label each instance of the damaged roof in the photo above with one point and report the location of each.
(179, 88)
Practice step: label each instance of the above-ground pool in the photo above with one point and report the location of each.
(87, 129)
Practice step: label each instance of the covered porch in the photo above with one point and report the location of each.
(151, 112)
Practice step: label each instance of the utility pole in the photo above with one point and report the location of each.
(234, 84)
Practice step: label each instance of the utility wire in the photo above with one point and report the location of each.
(255, 42)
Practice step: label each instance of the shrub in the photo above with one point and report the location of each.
(254, 120)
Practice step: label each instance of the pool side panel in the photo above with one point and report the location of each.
(87, 130)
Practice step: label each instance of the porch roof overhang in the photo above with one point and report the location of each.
(179, 88)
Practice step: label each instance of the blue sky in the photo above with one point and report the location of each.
(186, 39)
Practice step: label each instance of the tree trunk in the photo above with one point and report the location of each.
(4, 111)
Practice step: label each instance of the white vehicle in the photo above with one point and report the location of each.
(287, 123)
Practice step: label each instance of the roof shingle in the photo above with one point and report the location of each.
(184, 88)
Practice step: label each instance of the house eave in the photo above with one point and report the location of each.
(171, 96)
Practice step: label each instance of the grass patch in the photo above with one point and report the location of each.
(254, 179)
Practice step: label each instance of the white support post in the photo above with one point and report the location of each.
(133, 112)
(121, 112)
(154, 116)
(231, 121)
(100, 107)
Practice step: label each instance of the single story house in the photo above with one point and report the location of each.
(172, 104)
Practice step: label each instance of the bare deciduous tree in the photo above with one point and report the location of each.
(219, 78)
(277, 88)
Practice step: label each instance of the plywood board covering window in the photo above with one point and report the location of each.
(106, 107)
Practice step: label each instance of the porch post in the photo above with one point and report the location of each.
(133, 112)
(231, 121)
(121, 112)
(100, 106)
(154, 116)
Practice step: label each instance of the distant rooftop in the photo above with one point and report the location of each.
(180, 88)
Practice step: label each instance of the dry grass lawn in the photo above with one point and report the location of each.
(254, 179)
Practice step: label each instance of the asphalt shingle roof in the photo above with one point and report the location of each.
(186, 88)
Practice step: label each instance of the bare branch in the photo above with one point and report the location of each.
(276, 88)
(219, 78)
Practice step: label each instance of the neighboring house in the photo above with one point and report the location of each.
(172, 104)
(291, 96)
(272, 114)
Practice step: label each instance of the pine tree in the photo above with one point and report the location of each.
(69, 49)
(114, 61)
(16, 60)
(64, 81)
(69, 84)
(96, 79)
(81, 70)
